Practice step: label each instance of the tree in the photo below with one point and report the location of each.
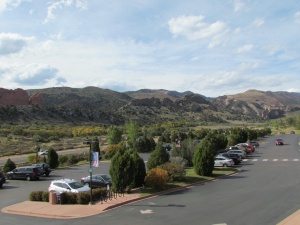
(139, 170)
(186, 150)
(158, 157)
(114, 135)
(9, 166)
(204, 157)
(145, 144)
(132, 134)
(122, 170)
(52, 158)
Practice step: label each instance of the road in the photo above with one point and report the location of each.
(265, 192)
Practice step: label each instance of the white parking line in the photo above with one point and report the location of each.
(245, 160)
(264, 160)
(285, 160)
(274, 160)
(254, 160)
(296, 160)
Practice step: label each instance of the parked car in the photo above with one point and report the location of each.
(242, 153)
(98, 181)
(2, 179)
(43, 152)
(67, 185)
(279, 141)
(255, 143)
(44, 167)
(235, 157)
(223, 161)
(25, 172)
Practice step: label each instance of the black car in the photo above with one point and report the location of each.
(44, 167)
(2, 179)
(235, 157)
(98, 181)
(25, 172)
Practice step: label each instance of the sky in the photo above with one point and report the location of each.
(209, 47)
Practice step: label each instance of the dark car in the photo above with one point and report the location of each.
(98, 181)
(279, 141)
(2, 179)
(44, 167)
(25, 172)
(235, 157)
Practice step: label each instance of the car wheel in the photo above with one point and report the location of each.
(9, 177)
(225, 165)
(28, 178)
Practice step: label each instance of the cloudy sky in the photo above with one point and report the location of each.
(210, 47)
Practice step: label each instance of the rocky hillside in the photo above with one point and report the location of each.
(96, 105)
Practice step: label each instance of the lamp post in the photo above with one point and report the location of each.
(89, 142)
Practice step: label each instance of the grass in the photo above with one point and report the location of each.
(190, 178)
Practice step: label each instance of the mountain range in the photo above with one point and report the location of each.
(97, 105)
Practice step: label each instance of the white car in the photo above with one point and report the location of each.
(67, 185)
(43, 152)
(223, 161)
(242, 153)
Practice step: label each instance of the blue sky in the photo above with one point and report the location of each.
(210, 47)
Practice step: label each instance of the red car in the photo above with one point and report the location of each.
(279, 141)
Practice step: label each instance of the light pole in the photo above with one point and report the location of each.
(88, 142)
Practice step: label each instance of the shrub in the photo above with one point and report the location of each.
(158, 157)
(175, 170)
(36, 196)
(9, 166)
(97, 193)
(62, 159)
(45, 196)
(111, 151)
(157, 178)
(69, 198)
(83, 198)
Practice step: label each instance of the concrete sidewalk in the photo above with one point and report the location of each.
(47, 210)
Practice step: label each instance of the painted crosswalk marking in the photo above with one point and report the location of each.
(274, 160)
(296, 160)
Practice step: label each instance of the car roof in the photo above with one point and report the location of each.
(66, 180)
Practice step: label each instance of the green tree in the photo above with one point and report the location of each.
(132, 131)
(9, 166)
(114, 135)
(204, 157)
(186, 150)
(145, 144)
(122, 170)
(52, 158)
(158, 157)
(139, 170)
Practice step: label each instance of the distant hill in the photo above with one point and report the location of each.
(97, 105)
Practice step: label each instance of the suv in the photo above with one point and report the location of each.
(239, 152)
(44, 167)
(25, 172)
(2, 179)
(67, 185)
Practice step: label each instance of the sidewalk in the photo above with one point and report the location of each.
(57, 211)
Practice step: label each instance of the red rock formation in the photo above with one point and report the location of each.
(17, 97)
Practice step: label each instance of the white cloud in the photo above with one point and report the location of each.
(61, 4)
(297, 17)
(258, 22)
(239, 5)
(8, 4)
(245, 48)
(12, 43)
(193, 28)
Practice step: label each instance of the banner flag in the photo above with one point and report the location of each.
(95, 159)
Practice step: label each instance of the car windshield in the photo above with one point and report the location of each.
(106, 177)
(75, 185)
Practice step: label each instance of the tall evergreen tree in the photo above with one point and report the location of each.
(114, 135)
(52, 158)
(8, 166)
(132, 131)
(158, 157)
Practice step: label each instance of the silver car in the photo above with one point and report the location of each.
(223, 161)
(67, 185)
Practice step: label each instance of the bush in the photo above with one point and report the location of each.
(69, 198)
(157, 178)
(158, 157)
(175, 171)
(38, 196)
(9, 166)
(45, 196)
(62, 159)
(83, 198)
